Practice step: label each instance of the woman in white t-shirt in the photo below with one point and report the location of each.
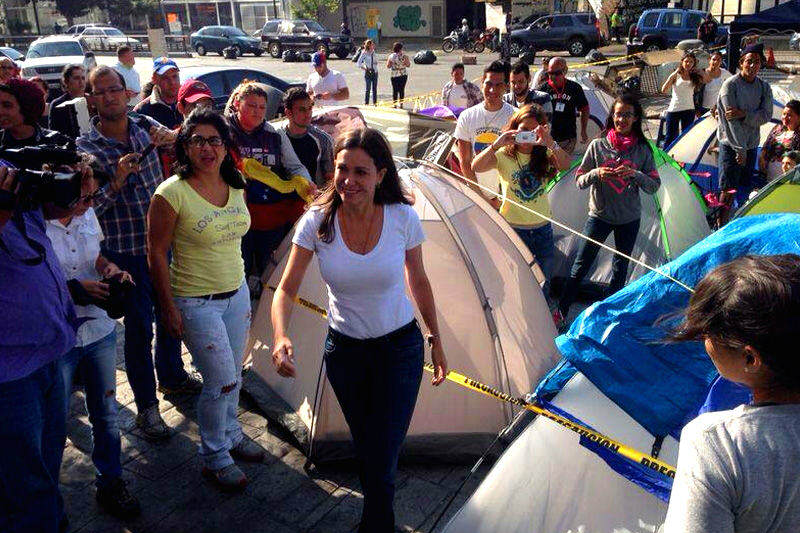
(713, 76)
(683, 83)
(398, 62)
(368, 241)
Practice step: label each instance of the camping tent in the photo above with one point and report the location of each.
(672, 220)
(408, 133)
(617, 378)
(781, 195)
(696, 148)
(493, 318)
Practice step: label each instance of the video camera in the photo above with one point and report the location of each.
(37, 187)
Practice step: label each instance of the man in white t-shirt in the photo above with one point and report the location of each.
(326, 86)
(124, 66)
(480, 125)
(459, 93)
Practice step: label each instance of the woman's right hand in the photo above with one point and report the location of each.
(606, 173)
(505, 139)
(283, 357)
(173, 321)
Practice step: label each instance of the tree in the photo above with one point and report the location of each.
(72, 9)
(144, 8)
(313, 9)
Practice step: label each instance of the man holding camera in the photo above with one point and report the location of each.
(123, 148)
(37, 329)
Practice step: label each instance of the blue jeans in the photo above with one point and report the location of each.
(32, 433)
(371, 82)
(141, 310)
(677, 122)
(96, 365)
(215, 331)
(599, 230)
(376, 382)
(540, 242)
(732, 175)
(257, 248)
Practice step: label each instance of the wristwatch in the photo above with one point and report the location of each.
(430, 338)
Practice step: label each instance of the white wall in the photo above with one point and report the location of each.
(411, 18)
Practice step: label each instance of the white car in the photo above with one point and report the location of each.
(48, 56)
(108, 38)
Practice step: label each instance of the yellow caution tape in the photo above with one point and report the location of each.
(598, 438)
(261, 173)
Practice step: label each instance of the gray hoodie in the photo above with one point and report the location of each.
(617, 201)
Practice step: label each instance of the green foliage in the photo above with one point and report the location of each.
(313, 9)
(72, 9)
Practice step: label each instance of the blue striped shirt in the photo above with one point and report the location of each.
(123, 214)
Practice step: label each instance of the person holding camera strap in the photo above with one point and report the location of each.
(119, 145)
(76, 240)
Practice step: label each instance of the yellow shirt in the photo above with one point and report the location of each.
(206, 250)
(516, 185)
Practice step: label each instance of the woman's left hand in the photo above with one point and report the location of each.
(624, 172)
(439, 364)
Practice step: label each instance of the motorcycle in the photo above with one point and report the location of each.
(455, 40)
(488, 39)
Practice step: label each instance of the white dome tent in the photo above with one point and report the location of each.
(494, 322)
(672, 220)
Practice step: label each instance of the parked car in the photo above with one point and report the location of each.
(217, 38)
(521, 24)
(47, 57)
(12, 53)
(108, 38)
(577, 33)
(659, 29)
(303, 35)
(223, 79)
(77, 29)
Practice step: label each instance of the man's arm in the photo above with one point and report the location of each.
(465, 155)
(584, 111)
(343, 93)
(763, 114)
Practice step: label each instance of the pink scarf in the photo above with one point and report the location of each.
(621, 143)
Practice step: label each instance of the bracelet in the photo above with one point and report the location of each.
(430, 338)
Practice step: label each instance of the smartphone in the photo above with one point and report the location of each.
(527, 137)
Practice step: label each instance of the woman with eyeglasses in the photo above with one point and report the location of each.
(21, 109)
(615, 167)
(76, 241)
(201, 215)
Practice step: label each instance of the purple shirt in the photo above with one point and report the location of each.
(38, 317)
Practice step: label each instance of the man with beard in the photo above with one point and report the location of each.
(117, 143)
(313, 146)
(569, 100)
(162, 104)
(521, 93)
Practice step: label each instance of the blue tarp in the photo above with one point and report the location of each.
(616, 343)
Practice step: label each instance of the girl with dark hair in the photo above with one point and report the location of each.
(398, 62)
(21, 109)
(368, 241)
(684, 81)
(713, 77)
(614, 168)
(783, 138)
(525, 163)
(738, 469)
(200, 214)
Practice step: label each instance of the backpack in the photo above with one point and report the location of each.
(289, 56)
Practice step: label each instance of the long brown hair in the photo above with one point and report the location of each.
(695, 77)
(539, 162)
(388, 191)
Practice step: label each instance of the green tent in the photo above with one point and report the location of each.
(781, 195)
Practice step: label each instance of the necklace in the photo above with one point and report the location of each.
(362, 250)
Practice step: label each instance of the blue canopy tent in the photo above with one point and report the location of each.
(783, 18)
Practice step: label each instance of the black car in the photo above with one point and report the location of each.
(223, 80)
(303, 35)
(218, 38)
(577, 33)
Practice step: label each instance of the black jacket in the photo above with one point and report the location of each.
(64, 119)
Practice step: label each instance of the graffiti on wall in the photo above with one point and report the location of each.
(409, 18)
(358, 20)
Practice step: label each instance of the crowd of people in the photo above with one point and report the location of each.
(170, 234)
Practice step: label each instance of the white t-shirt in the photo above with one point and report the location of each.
(332, 82)
(366, 293)
(738, 472)
(711, 91)
(77, 247)
(682, 96)
(457, 96)
(481, 127)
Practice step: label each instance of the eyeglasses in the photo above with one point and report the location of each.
(198, 141)
(555, 72)
(625, 114)
(111, 91)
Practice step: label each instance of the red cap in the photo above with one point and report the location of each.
(193, 90)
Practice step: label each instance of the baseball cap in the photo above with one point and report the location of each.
(193, 90)
(163, 64)
(318, 58)
(757, 48)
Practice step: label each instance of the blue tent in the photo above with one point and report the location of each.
(617, 343)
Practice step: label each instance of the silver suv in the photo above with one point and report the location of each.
(48, 56)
